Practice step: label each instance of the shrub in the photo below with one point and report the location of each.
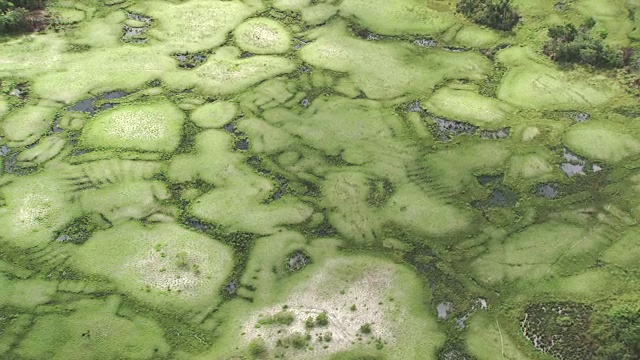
(13, 20)
(13, 14)
(365, 328)
(309, 323)
(568, 44)
(257, 348)
(327, 336)
(498, 14)
(616, 331)
(281, 318)
(322, 319)
(298, 341)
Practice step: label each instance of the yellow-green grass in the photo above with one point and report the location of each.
(474, 36)
(238, 201)
(126, 67)
(386, 295)
(34, 208)
(625, 251)
(26, 125)
(487, 340)
(534, 83)
(266, 138)
(454, 169)
(532, 164)
(4, 105)
(127, 200)
(463, 103)
(241, 208)
(93, 331)
(611, 16)
(603, 141)
(262, 36)
(25, 293)
(389, 70)
(334, 124)
(538, 252)
(163, 266)
(155, 126)
(226, 73)
(215, 114)
(184, 27)
(398, 17)
(345, 199)
(419, 211)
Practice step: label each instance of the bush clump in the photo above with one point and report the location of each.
(497, 14)
(257, 348)
(13, 14)
(568, 44)
(281, 318)
(616, 331)
(365, 328)
(322, 319)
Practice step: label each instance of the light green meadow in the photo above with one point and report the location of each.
(326, 180)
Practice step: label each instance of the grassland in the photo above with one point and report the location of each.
(297, 179)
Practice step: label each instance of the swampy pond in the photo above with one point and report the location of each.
(321, 179)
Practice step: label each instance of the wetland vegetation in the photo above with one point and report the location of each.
(326, 179)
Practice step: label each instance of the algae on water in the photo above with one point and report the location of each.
(296, 179)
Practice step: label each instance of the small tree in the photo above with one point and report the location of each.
(498, 14)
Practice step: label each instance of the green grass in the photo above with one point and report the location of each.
(604, 143)
(425, 213)
(183, 28)
(539, 252)
(168, 239)
(153, 126)
(389, 70)
(225, 73)
(237, 204)
(530, 83)
(281, 318)
(485, 339)
(323, 281)
(143, 261)
(26, 126)
(345, 197)
(214, 115)
(462, 103)
(262, 36)
(624, 252)
(92, 332)
(32, 213)
(398, 17)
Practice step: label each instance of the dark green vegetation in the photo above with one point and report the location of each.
(568, 44)
(615, 329)
(317, 180)
(281, 318)
(497, 14)
(14, 15)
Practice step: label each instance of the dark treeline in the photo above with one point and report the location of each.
(14, 15)
(568, 44)
(497, 14)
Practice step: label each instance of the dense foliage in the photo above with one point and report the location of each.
(617, 332)
(13, 14)
(498, 14)
(568, 44)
